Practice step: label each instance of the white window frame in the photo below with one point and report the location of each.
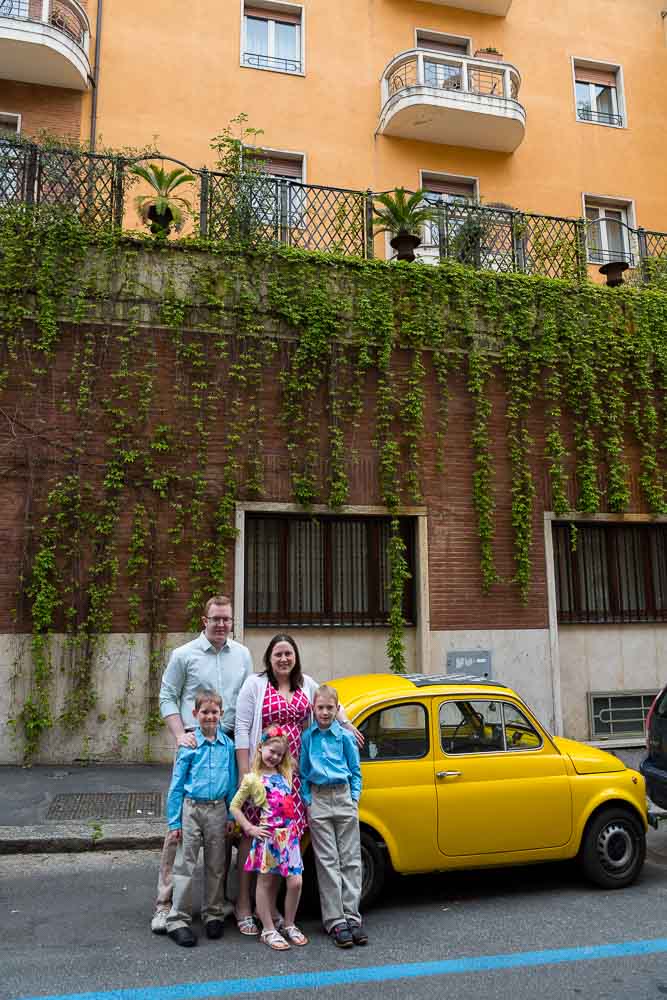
(455, 178)
(274, 7)
(626, 207)
(618, 95)
(299, 206)
(4, 115)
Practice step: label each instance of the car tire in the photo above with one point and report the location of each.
(613, 848)
(373, 868)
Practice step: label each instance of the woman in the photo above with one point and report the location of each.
(282, 695)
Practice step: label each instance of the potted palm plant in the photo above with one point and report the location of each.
(403, 215)
(162, 209)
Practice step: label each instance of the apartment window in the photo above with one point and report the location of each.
(272, 37)
(598, 97)
(328, 570)
(441, 188)
(9, 124)
(614, 573)
(608, 232)
(278, 195)
(11, 159)
(438, 74)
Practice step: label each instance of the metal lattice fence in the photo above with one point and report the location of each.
(262, 208)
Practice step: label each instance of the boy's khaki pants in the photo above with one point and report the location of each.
(334, 833)
(203, 826)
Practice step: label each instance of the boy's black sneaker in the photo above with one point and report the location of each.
(183, 936)
(359, 935)
(214, 929)
(342, 936)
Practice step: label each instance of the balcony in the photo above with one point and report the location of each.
(45, 42)
(437, 97)
(498, 7)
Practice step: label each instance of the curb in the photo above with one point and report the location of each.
(72, 838)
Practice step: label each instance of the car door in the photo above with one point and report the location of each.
(398, 798)
(502, 785)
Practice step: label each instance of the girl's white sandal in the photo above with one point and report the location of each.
(293, 934)
(274, 940)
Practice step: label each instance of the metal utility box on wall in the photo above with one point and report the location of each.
(472, 662)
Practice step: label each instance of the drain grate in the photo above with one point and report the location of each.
(107, 805)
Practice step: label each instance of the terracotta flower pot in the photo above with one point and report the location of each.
(489, 56)
(405, 245)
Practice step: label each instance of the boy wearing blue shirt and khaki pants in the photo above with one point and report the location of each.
(330, 788)
(203, 784)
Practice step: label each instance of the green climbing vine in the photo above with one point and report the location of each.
(142, 385)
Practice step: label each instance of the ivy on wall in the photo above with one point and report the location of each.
(127, 487)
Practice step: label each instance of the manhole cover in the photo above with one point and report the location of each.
(107, 805)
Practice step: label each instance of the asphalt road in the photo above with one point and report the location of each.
(78, 924)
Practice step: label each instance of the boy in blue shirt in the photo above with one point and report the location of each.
(330, 787)
(203, 784)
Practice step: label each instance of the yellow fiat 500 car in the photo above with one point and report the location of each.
(462, 775)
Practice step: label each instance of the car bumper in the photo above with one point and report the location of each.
(656, 782)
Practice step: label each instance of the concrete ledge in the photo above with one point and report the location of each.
(71, 838)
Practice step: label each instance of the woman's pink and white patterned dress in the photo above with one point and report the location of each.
(290, 715)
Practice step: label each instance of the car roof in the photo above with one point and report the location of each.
(364, 689)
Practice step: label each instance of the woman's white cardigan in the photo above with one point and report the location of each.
(248, 727)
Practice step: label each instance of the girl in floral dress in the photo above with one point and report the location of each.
(274, 850)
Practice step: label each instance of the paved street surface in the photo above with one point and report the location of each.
(78, 924)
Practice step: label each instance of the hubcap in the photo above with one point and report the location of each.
(616, 847)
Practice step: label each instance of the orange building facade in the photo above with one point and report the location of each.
(493, 99)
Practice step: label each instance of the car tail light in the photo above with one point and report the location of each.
(648, 721)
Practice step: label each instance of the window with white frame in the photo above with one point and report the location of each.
(272, 37)
(278, 196)
(608, 233)
(441, 190)
(598, 95)
(10, 124)
(437, 74)
(304, 570)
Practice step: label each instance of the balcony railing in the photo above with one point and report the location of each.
(452, 99)
(258, 209)
(586, 114)
(45, 42)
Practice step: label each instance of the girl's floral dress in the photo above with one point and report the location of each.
(280, 853)
(290, 716)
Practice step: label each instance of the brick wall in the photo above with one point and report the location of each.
(37, 452)
(53, 110)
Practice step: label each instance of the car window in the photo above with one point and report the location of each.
(396, 733)
(661, 705)
(485, 727)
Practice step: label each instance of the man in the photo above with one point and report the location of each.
(212, 660)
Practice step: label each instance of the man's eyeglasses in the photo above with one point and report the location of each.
(220, 621)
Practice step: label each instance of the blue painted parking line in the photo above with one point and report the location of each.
(372, 973)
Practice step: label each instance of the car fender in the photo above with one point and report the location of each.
(383, 834)
(604, 799)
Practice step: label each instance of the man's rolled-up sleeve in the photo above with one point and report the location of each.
(171, 688)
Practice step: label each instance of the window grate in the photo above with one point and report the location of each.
(618, 713)
(615, 573)
(314, 571)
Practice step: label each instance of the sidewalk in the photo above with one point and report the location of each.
(104, 807)
(68, 808)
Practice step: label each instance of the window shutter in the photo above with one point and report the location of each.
(455, 186)
(442, 45)
(603, 77)
(283, 166)
(273, 15)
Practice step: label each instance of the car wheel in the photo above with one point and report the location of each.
(373, 869)
(613, 849)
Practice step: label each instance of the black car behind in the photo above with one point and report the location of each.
(654, 766)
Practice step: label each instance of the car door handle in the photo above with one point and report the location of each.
(448, 774)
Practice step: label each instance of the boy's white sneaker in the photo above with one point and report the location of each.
(159, 921)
